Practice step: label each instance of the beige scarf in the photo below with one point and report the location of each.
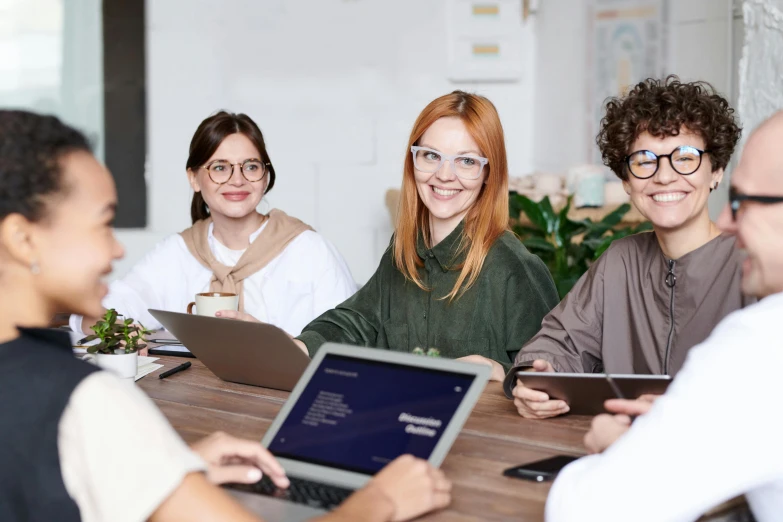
(280, 231)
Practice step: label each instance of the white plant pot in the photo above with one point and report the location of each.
(124, 365)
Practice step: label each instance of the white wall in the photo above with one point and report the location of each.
(699, 45)
(761, 71)
(335, 85)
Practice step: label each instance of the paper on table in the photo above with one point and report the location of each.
(146, 366)
(171, 348)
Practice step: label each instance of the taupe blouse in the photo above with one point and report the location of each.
(636, 311)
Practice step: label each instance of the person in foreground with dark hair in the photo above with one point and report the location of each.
(715, 434)
(284, 273)
(652, 296)
(70, 432)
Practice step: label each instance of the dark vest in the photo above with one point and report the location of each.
(38, 373)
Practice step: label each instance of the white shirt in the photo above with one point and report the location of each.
(119, 456)
(715, 434)
(306, 279)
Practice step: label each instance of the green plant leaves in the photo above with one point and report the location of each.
(124, 335)
(538, 243)
(533, 211)
(567, 246)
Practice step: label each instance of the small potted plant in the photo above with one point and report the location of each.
(119, 344)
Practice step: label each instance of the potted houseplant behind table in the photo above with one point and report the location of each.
(119, 344)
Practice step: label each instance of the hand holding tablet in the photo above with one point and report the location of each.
(535, 404)
(585, 393)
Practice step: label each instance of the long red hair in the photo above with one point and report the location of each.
(486, 220)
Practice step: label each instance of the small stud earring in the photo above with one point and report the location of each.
(34, 268)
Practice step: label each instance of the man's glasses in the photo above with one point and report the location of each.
(463, 166)
(736, 199)
(220, 171)
(643, 164)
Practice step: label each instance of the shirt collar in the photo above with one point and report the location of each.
(58, 338)
(446, 252)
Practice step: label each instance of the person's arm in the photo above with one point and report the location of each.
(570, 335)
(355, 321)
(528, 295)
(605, 429)
(712, 436)
(149, 473)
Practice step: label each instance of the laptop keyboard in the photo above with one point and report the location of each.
(313, 494)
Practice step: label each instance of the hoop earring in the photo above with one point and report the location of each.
(35, 269)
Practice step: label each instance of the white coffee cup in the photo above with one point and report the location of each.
(124, 365)
(210, 302)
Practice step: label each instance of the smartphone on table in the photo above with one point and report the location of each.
(541, 470)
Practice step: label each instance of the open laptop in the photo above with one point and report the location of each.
(239, 351)
(353, 411)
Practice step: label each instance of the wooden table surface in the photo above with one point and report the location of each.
(494, 437)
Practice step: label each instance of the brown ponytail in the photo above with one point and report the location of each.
(198, 208)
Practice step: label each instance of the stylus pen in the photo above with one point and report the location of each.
(616, 390)
(165, 341)
(183, 366)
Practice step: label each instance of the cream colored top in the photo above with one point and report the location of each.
(124, 477)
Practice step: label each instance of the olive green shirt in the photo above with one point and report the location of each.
(493, 318)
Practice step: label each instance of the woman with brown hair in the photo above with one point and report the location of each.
(454, 278)
(652, 296)
(283, 272)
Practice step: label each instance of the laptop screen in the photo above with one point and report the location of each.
(358, 415)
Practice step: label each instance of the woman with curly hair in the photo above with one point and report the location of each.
(652, 296)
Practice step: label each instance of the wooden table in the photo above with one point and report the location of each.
(494, 437)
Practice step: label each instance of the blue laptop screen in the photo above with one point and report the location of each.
(358, 415)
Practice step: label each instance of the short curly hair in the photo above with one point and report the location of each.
(31, 147)
(663, 108)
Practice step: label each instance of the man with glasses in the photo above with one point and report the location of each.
(652, 296)
(717, 431)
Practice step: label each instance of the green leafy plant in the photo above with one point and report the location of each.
(124, 335)
(568, 247)
(431, 352)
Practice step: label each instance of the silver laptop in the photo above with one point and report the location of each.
(353, 411)
(239, 351)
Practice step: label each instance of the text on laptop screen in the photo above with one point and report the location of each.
(359, 415)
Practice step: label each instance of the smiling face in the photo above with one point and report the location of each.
(672, 201)
(238, 197)
(447, 196)
(74, 242)
(759, 227)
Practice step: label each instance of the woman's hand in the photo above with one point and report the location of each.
(239, 316)
(498, 373)
(230, 459)
(535, 404)
(404, 489)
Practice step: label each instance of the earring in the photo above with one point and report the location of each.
(34, 268)
(714, 187)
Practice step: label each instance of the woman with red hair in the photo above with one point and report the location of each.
(454, 277)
